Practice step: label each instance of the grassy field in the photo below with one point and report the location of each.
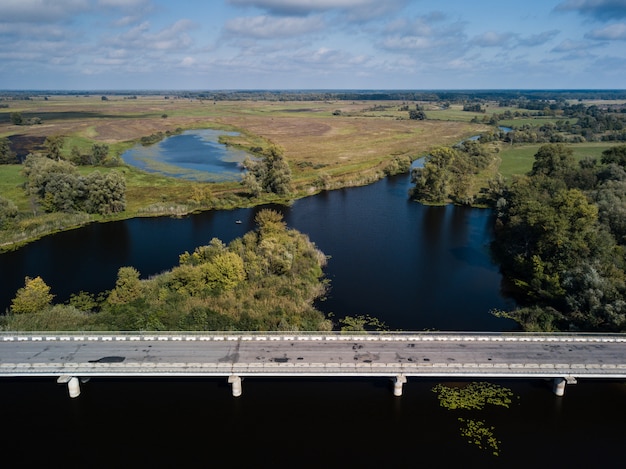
(518, 159)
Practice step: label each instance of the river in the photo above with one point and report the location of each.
(414, 267)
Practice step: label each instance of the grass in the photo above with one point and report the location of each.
(518, 159)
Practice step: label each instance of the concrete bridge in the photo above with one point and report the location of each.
(73, 358)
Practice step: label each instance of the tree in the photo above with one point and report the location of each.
(553, 160)
(270, 174)
(6, 155)
(105, 193)
(224, 272)
(8, 212)
(17, 118)
(127, 287)
(54, 145)
(99, 153)
(33, 297)
(417, 115)
(615, 155)
(432, 181)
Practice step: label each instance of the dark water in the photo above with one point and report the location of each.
(412, 266)
(194, 154)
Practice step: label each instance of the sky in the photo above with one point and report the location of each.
(312, 44)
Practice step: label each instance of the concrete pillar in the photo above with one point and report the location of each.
(235, 382)
(398, 381)
(559, 386)
(73, 386)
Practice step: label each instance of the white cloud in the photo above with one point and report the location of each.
(268, 27)
(613, 32)
(171, 38)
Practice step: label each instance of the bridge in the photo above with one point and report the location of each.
(73, 358)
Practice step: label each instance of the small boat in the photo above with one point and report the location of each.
(238, 222)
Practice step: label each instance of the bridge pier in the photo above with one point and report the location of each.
(235, 382)
(73, 384)
(398, 381)
(559, 384)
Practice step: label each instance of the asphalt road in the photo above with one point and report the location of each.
(328, 354)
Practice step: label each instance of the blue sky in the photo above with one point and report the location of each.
(312, 44)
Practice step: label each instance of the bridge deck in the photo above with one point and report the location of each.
(321, 354)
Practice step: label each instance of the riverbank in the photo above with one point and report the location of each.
(329, 145)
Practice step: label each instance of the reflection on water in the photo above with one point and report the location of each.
(194, 154)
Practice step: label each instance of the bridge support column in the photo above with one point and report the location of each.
(398, 381)
(235, 382)
(73, 384)
(559, 386)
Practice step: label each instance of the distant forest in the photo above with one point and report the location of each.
(505, 97)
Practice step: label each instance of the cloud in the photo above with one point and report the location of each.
(602, 10)
(569, 46)
(40, 11)
(171, 38)
(613, 32)
(427, 35)
(268, 27)
(358, 9)
(123, 4)
(492, 39)
(538, 39)
(575, 50)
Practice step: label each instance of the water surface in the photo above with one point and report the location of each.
(194, 154)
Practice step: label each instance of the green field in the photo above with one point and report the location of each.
(518, 159)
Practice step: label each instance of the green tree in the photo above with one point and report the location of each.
(127, 287)
(224, 272)
(417, 115)
(53, 145)
(32, 298)
(6, 155)
(99, 153)
(616, 154)
(553, 160)
(8, 212)
(432, 181)
(271, 174)
(17, 118)
(105, 193)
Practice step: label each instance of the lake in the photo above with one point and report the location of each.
(194, 154)
(412, 266)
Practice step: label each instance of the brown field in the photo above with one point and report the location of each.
(362, 138)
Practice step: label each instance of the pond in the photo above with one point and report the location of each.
(195, 155)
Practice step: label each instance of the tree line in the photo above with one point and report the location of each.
(560, 239)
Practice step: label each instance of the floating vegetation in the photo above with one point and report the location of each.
(478, 433)
(475, 396)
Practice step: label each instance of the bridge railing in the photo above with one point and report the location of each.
(313, 335)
